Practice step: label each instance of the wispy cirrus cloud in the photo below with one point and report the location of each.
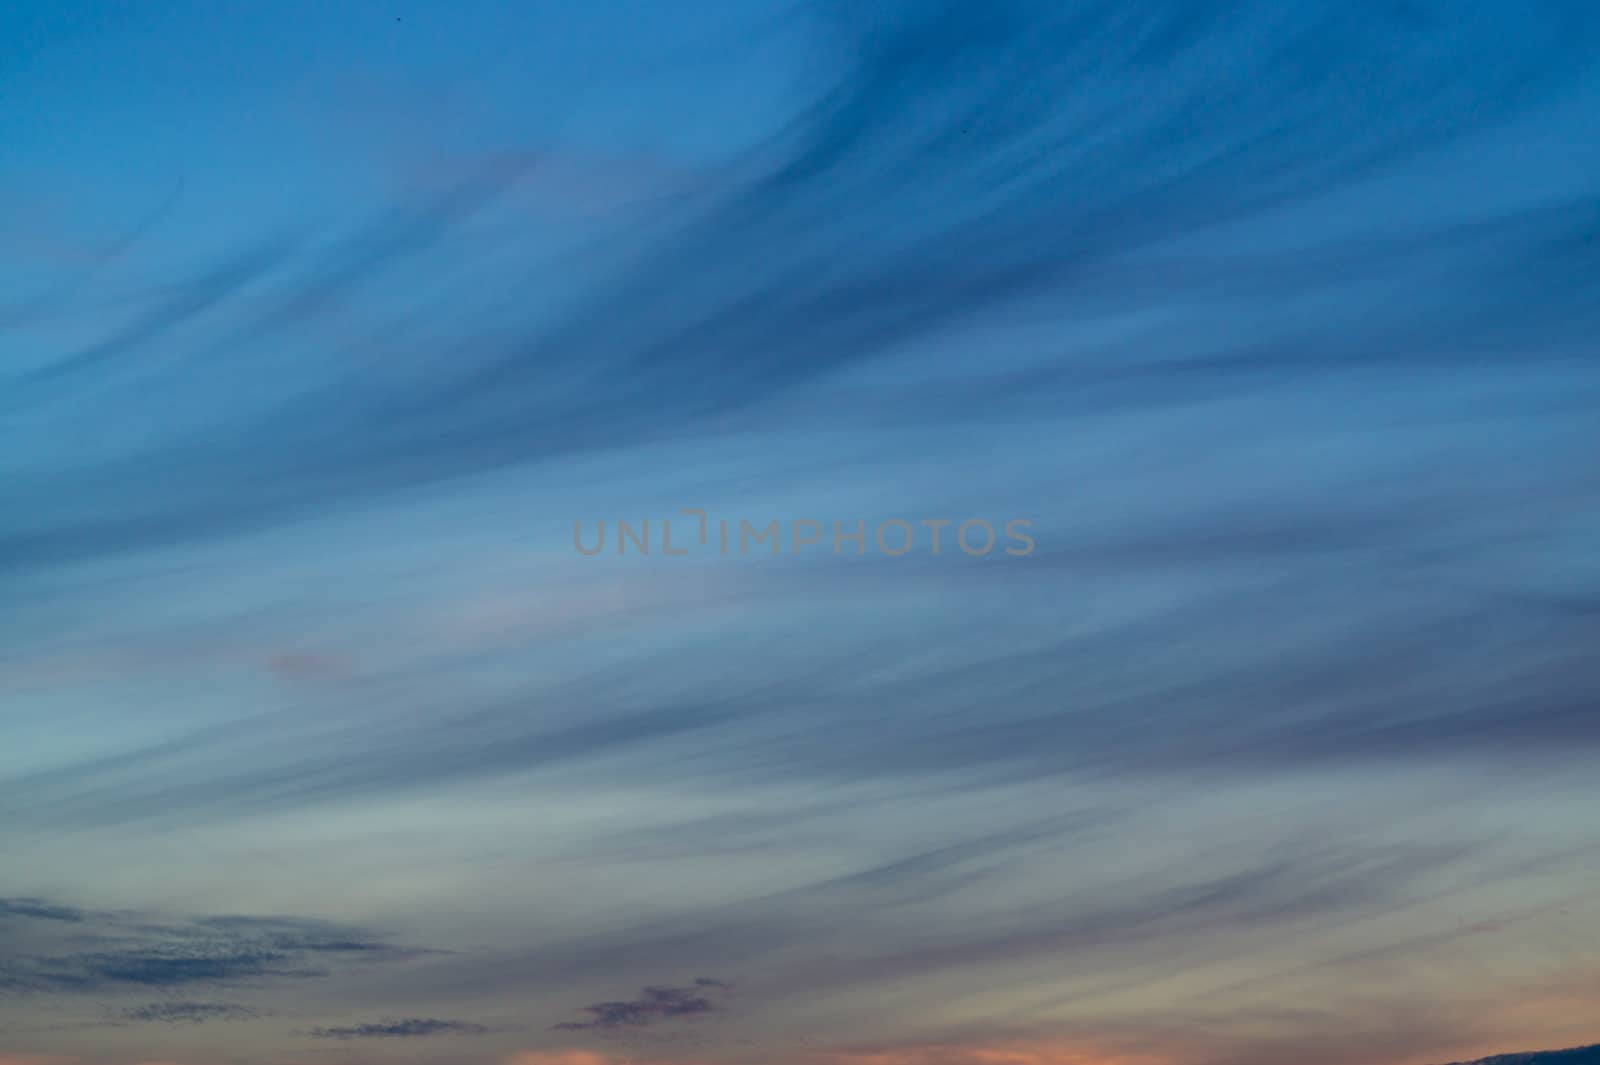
(1307, 423)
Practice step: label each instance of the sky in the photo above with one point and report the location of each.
(1260, 337)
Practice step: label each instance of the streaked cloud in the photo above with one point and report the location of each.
(1275, 321)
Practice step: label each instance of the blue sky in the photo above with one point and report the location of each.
(321, 325)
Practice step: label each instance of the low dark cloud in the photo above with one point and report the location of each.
(652, 1006)
(101, 951)
(1589, 1055)
(157, 964)
(186, 1013)
(411, 1027)
(38, 910)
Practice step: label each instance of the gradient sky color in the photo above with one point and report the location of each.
(321, 324)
